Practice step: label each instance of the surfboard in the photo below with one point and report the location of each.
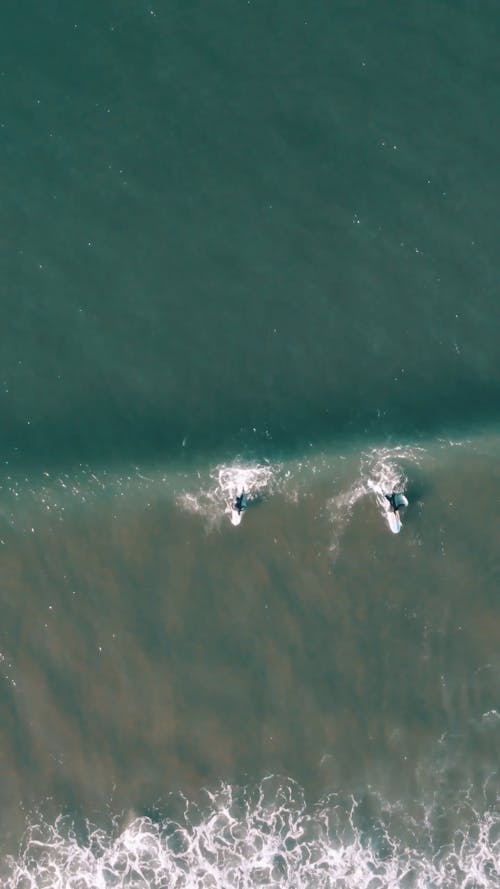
(394, 521)
(236, 516)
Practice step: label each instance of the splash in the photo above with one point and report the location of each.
(268, 837)
(214, 500)
(381, 471)
(254, 480)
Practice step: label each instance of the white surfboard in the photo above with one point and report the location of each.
(393, 518)
(394, 521)
(235, 514)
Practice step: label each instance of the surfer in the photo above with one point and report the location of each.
(396, 501)
(240, 503)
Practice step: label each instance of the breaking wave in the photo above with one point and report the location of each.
(341, 478)
(266, 837)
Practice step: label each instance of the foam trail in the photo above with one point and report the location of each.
(268, 837)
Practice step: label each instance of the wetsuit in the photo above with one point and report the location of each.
(397, 499)
(240, 503)
(392, 500)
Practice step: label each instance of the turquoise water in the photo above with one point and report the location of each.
(249, 245)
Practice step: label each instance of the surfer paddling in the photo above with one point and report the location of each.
(396, 501)
(240, 503)
(238, 506)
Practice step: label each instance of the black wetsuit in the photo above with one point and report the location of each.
(240, 503)
(392, 500)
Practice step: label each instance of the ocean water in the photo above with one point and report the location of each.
(249, 245)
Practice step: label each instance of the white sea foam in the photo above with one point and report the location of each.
(266, 837)
(385, 469)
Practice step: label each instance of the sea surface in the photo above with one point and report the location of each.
(249, 246)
